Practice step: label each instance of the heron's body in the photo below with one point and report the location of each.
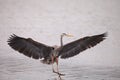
(49, 54)
(52, 56)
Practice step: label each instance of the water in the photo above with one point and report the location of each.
(23, 68)
(41, 19)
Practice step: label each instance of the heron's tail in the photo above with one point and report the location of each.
(46, 61)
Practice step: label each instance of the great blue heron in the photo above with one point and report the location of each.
(36, 50)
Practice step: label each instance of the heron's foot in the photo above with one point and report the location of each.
(61, 74)
(58, 73)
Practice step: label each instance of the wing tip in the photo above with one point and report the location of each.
(10, 39)
(105, 34)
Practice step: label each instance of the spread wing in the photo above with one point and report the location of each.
(29, 47)
(74, 48)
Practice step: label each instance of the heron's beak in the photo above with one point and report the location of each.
(69, 35)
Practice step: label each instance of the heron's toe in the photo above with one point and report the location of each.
(61, 74)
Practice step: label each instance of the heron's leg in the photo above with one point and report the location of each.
(57, 72)
(58, 68)
(54, 70)
(57, 63)
(52, 64)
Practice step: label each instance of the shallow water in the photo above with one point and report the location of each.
(23, 68)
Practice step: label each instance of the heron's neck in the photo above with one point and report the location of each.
(61, 40)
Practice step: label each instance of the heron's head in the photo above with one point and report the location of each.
(68, 35)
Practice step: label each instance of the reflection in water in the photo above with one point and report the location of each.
(28, 69)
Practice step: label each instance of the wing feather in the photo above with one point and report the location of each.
(74, 48)
(29, 47)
